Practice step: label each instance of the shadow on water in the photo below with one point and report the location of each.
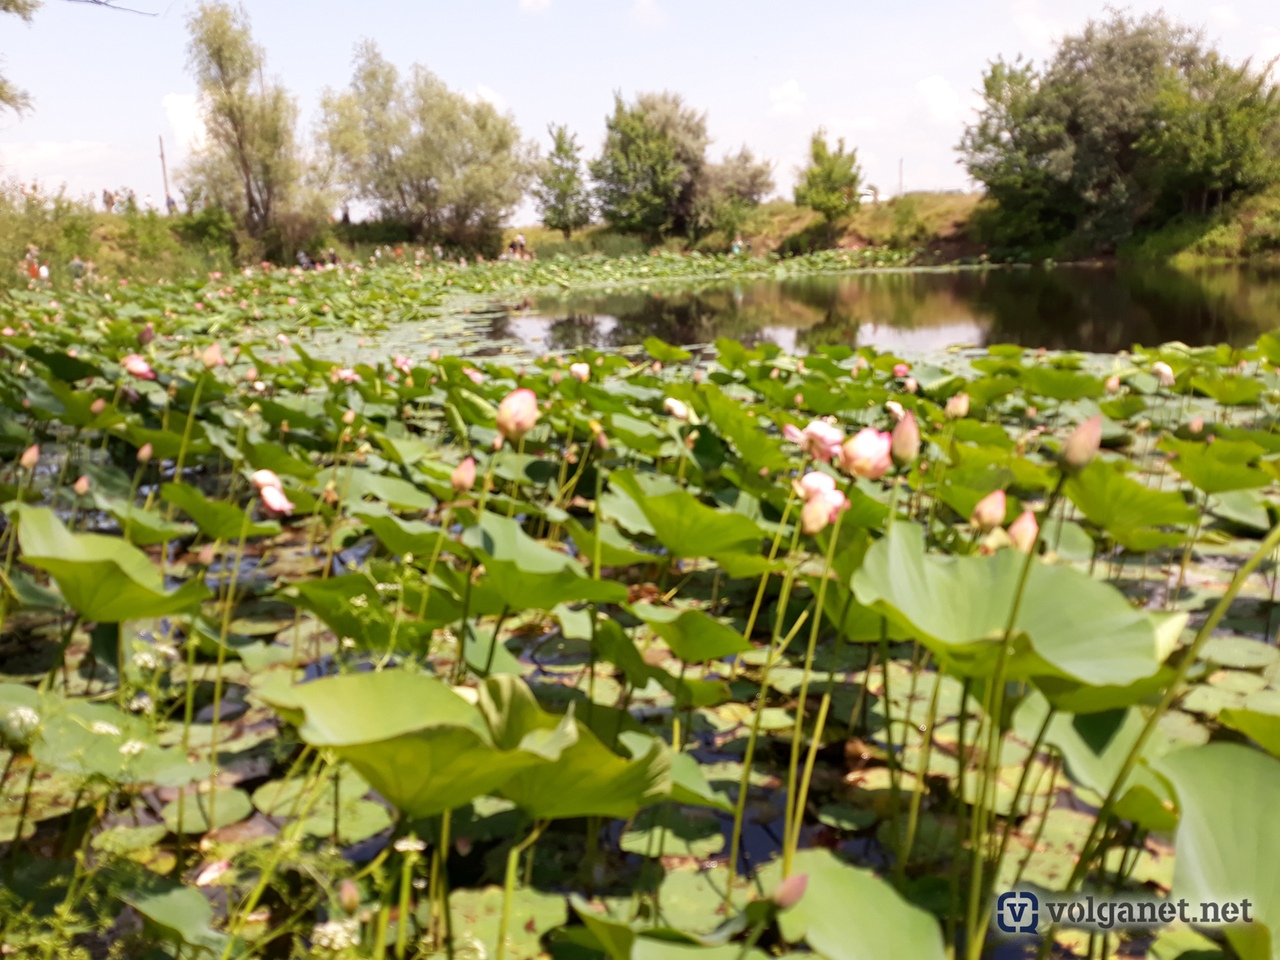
(1100, 309)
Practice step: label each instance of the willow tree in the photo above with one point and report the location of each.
(445, 166)
(12, 98)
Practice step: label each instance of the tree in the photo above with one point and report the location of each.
(249, 122)
(830, 184)
(639, 178)
(444, 166)
(730, 190)
(564, 201)
(11, 98)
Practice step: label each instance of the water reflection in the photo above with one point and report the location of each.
(1099, 309)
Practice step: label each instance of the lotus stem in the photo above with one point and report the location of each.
(509, 886)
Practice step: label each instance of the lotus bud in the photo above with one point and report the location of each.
(896, 410)
(821, 510)
(146, 334)
(212, 356)
(1196, 425)
(251, 373)
(814, 484)
(657, 366)
(30, 457)
(580, 371)
(1113, 384)
(868, 454)
(905, 441)
(349, 417)
(349, 897)
(900, 370)
(699, 375)
(81, 486)
(1083, 444)
(556, 377)
(1163, 373)
(676, 408)
(434, 355)
(602, 441)
(788, 893)
(464, 475)
(517, 413)
(265, 478)
(137, 366)
(990, 511)
(497, 443)
(957, 407)
(910, 385)
(98, 406)
(1024, 532)
(821, 440)
(144, 453)
(274, 499)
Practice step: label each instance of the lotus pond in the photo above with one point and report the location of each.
(327, 633)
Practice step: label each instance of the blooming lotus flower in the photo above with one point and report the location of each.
(957, 406)
(814, 484)
(1024, 532)
(676, 408)
(262, 479)
(274, 499)
(580, 371)
(868, 453)
(905, 441)
(517, 413)
(464, 475)
(212, 356)
(402, 363)
(900, 370)
(1163, 373)
(343, 375)
(1083, 444)
(30, 457)
(819, 439)
(136, 366)
(7, 332)
(822, 510)
(990, 511)
(788, 893)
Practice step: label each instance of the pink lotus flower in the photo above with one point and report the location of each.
(1196, 425)
(98, 406)
(910, 385)
(1163, 373)
(212, 356)
(81, 486)
(819, 439)
(1083, 444)
(292, 301)
(814, 484)
(517, 413)
(274, 499)
(822, 510)
(1113, 384)
(990, 511)
(136, 366)
(343, 375)
(868, 453)
(788, 893)
(580, 372)
(30, 457)
(464, 475)
(7, 332)
(957, 407)
(1024, 532)
(402, 363)
(905, 441)
(282, 339)
(474, 375)
(900, 370)
(144, 453)
(677, 408)
(896, 410)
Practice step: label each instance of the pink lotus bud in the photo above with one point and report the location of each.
(434, 355)
(349, 417)
(146, 335)
(1113, 384)
(144, 453)
(900, 370)
(868, 454)
(402, 363)
(556, 377)
(349, 897)
(910, 385)
(212, 356)
(657, 366)
(1083, 444)
(957, 407)
(788, 893)
(474, 375)
(905, 441)
(517, 413)
(896, 410)
(821, 440)
(1196, 425)
(1163, 373)
(262, 479)
(497, 443)
(464, 475)
(580, 371)
(814, 484)
(1025, 531)
(822, 510)
(990, 511)
(251, 373)
(98, 406)
(136, 366)
(676, 408)
(281, 338)
(699, 375)
(212, 873)
(274, 499)
(30, 457)
(602, 441)
(343, 375)
(81, 486)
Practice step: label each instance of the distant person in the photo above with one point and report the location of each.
(346, 214)
(44, 271)
(108, 201)
(76, 266)
(438, 251)
(171, 205)
(148, 203)
(737, 244)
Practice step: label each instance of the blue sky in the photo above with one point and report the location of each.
(896, 80)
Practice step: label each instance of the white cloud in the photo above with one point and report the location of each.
(491, 96)
(647, 13)
(944, 103)
(1224, 16)
(786, 99)
(183, 113)
(534, 6)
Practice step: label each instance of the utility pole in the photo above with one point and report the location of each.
(900, 189)
(164, 172)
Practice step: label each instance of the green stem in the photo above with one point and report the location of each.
(509, 886)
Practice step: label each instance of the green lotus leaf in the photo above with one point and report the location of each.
(217, 519)
(687, 527)
(145, 527)
(692, 635)
(103, 578)
(181, 914)
(1127, 510)
(1217, 467)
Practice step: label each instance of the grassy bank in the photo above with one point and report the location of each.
(1247, 230)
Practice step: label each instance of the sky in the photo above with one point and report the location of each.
(897, 81)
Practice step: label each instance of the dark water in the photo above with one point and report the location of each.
(1100, 309)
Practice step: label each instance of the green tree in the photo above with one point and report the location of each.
(730, 190)
(444, 166)
(829, 184)
(564, 201)
(12, 98)
(251, 163)
(639, 177)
